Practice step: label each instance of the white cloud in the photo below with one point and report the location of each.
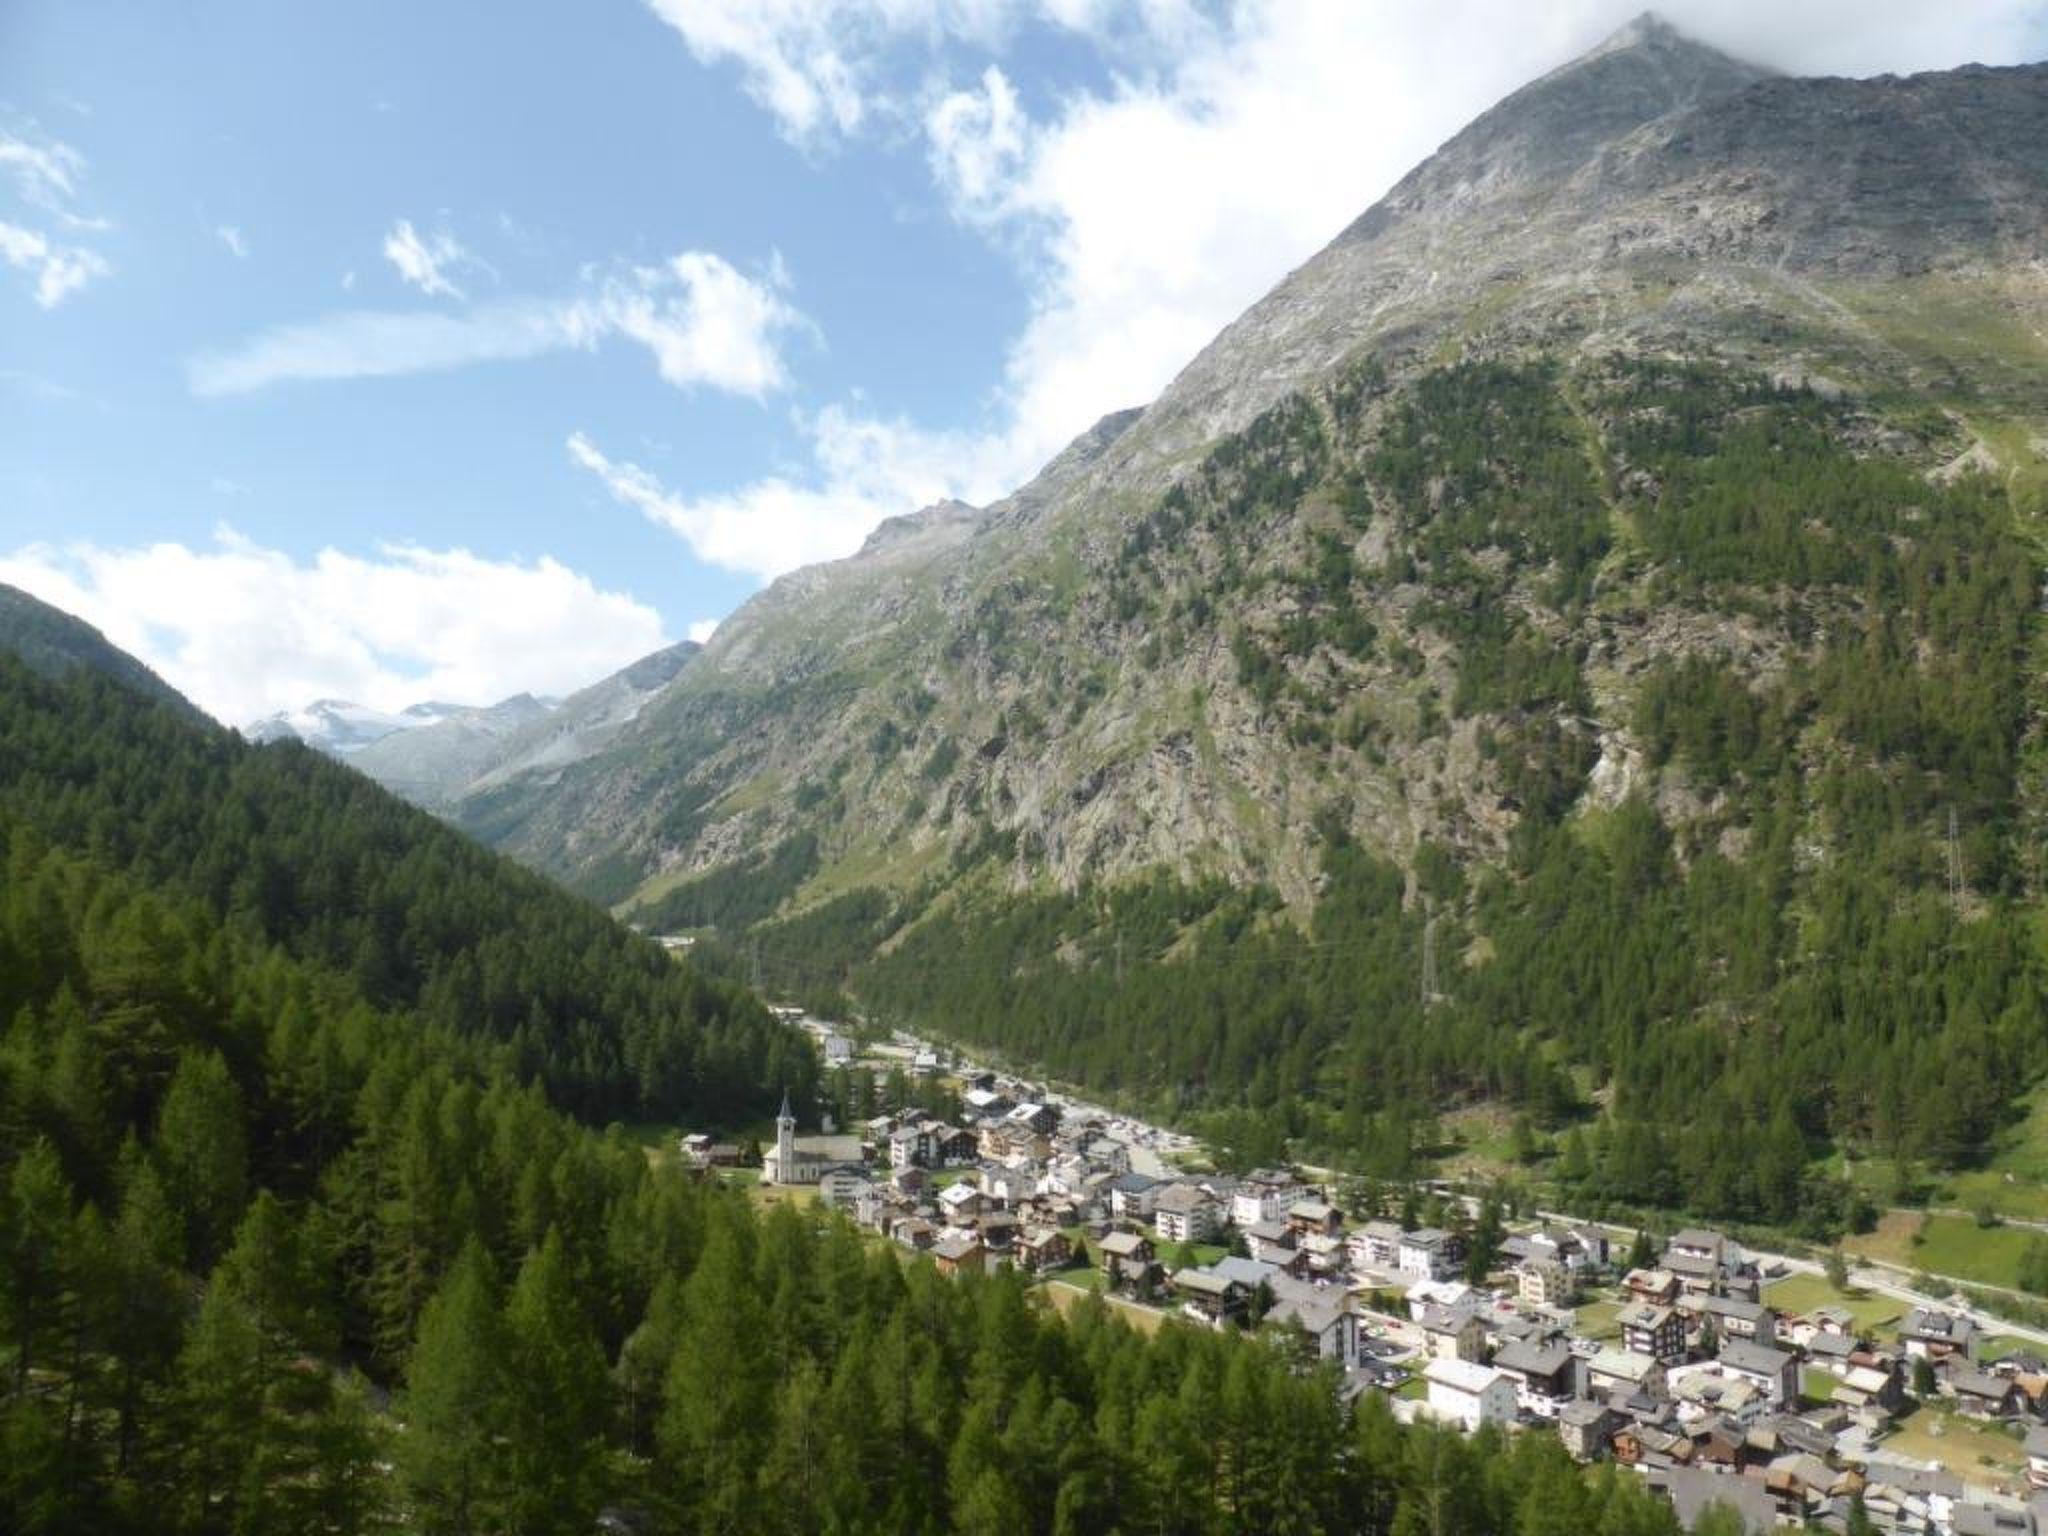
(704, 629)
(703, 321)
(425, 263)
(34, 386)
(823, 68)
(45, 175)
(245, 631)
(978, 141)
(864, 470)
(231, 236)
(789, 52)
(59, 270)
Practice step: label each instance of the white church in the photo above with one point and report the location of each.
(804, 1160)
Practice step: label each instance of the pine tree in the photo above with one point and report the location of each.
(716, 1416)
(219, 1413)
(1642, 1251)
(1720, 1519)
(349, 1495)
(36, 1236)
(559, 1406)
(799, 1460)
(1574, 1166)
(138, 1304)
(1483, 1247)
(201, 1147)
(644, 1360)
(452, 1455)
(1556, 1500)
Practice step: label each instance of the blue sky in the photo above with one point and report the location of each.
(395, 351)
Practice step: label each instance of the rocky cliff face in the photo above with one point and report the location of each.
(1291, 588)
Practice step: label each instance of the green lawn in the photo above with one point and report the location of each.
(1068, 1291)
(661, 1142)
(1801, 1294)
(1816, 1385)
(1891, 1242)
(1956, 1245)
(1992, 1345)
(765, 1195)
(1959, 1444)
(1596, 1320)
(2015, 1180)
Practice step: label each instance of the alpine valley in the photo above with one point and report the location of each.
(1573, 645)
(1570, 660)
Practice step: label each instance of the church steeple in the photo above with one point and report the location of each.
(785, 1143)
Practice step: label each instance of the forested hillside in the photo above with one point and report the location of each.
(1763, 889)
(293, 1239)
(285, 847)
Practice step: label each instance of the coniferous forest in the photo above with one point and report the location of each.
(298, 1232)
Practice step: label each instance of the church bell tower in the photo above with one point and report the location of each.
(785, 1143)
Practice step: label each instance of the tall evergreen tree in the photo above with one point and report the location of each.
(453, 1457)
(560, 1408)
(201, 1146)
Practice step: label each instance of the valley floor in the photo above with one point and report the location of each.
(1861, 1401)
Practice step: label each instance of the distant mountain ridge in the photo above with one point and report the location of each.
(340, 727)
(434, 754)
(1574, 646)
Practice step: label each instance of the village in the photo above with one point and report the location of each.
(1720, 1376)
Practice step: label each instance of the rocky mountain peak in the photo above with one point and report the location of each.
(1558, 123)
(893, 532)
(1648, 31)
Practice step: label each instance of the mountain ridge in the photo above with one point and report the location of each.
(434, 754)
(1642, 287)
(52, 642)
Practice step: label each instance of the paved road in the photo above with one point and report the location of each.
(1885, 1283)
(1882, 1278)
